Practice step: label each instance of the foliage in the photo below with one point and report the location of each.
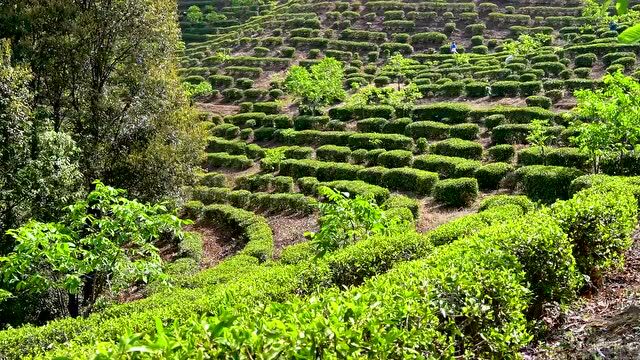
(539, 135)
(194, 14)
(612, 118)
(103, 244)
(599, 221)
(401, 99)
(526, 44)
(107, 78)
(397, 65)
(195, 91)
(344, 221)
(39, 169)
(319, 86)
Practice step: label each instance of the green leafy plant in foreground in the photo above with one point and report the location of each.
(103, 243)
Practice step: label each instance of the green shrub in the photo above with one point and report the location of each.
(489, 176)
(599, 222)
(457, 147)
(585, 60)
(544, 251)
(539, 101)
(505, 89)
(407, 179)
(397, 126)
(464, 131)
(297, 253)
(501, 153)
(447, 166)
(232, 94)
(307, 122)
(454, 112)
(471, 224)
(375, 255)
(545, 183)
(401, 201)
(212, 179)
(221, 81)
(477, 89)
(427, 129)
(530, 88)
(456, 192)
(396, 158)
(371, 125)
(333, 153)
(383, 141)
(492, 121)
(266, 107)
(354, 188)
(510, 133)
(494, 201)
(224, 160)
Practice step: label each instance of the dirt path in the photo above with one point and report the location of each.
(604, 326)
(289, 230)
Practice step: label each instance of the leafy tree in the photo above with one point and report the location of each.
(102, 245)
(39, 172)
(345, 220)
(612, 118)
(539, 135)
(402, 100)
(319, 86)
(527, 44)
(104, 73)
(195, 91)
(194, 14)
(398, 66)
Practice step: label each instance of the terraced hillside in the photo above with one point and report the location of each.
(478, 218)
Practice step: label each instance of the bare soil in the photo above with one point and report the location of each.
(289, 230)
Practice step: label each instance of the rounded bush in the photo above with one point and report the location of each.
(539, 101)
(545, 183)
(459, 148)
(502, 153)
(599, 222)
(456, 192)
(395, 158)
(490, 175)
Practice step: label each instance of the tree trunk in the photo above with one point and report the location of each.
(73, 305)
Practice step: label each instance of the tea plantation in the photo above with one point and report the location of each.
(517, 121)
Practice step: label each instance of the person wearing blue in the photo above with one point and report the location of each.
(454, 48)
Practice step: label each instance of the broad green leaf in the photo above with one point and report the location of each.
(631, 35)
(622, 7)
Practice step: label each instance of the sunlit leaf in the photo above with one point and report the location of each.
(631, 35)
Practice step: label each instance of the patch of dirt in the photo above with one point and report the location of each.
(605, 325)
(289, 230)
(232, 174)
(220, 109)
(432, 215)
(217, 244)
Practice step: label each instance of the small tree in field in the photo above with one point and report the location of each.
(319, 86)
(539, 135)
(194, 14)
(397, 65)
(104, 243)
(346, 220)
(612, 118)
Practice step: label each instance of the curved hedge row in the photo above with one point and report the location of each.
(510, 269)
